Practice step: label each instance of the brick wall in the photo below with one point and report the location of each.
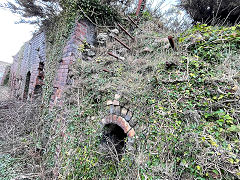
(83, 31)
(31, 58)
(27, 61)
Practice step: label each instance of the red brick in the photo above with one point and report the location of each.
(114, 119)
(131, 133)
(109, 119)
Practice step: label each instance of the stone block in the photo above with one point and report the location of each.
(109, 102)
(128, 117)
(117, 96)
(116, 103)
(112, 109)
(117, 110)
(124, 112)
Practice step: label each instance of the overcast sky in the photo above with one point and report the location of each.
(13, 36)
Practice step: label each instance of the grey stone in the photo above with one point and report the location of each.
(121, 58)
(90, 53)
(128, 117)
(116, 103)
(124, 112)
(109, 102)
(102, 37)
(112, 35)
(112, 109)
(117, 110)
(117, 96)
(114, 31)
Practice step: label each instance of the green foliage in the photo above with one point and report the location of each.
(6, 80)
(212, 43)
(186, 128)
(44, 12)
(93, 10)
(212, 12)
(7, 166)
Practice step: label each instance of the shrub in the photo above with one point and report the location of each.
(211, 11)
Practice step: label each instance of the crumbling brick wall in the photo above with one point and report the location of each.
(84, 32)
(26, 62)
(30, 61)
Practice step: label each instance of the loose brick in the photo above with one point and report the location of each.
(131, 133)
(123, 124)
(109, 119)
(116, 103)
(114, 119)
(109, 102)
(117, 96)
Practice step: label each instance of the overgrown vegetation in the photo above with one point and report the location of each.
(20, 156)
(45, 12)
(185, 104)
(213, 12)
(6, 80)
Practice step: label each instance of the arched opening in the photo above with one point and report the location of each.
(26, 89)
(39, 81)
(113, 140)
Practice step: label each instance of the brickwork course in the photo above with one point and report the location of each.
(120, 115)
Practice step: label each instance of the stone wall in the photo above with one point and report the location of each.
(3, 67)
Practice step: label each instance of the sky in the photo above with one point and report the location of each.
(13, 36)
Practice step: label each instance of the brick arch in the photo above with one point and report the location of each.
(121, 122)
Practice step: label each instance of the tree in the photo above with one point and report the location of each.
(212, 11)
(41, 11)
(33, 11)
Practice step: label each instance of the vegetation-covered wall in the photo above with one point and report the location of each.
(144, 112)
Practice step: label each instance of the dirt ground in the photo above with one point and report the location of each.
(4, 93)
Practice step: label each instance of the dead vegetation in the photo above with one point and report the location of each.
(20, 157)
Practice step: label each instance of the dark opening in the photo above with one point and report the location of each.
(113, 140)
(39, 81)
(38, 90)
(26, 89)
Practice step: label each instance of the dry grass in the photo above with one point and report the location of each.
(19, 156)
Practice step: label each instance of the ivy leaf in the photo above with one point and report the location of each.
(234, 128)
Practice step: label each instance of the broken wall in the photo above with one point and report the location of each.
(26, 62)
(27, 71)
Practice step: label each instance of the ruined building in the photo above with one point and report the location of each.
(27, 71)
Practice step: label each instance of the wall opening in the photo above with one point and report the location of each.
(39, 81)
(26, 89)
(113, 140)
(37, 90)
